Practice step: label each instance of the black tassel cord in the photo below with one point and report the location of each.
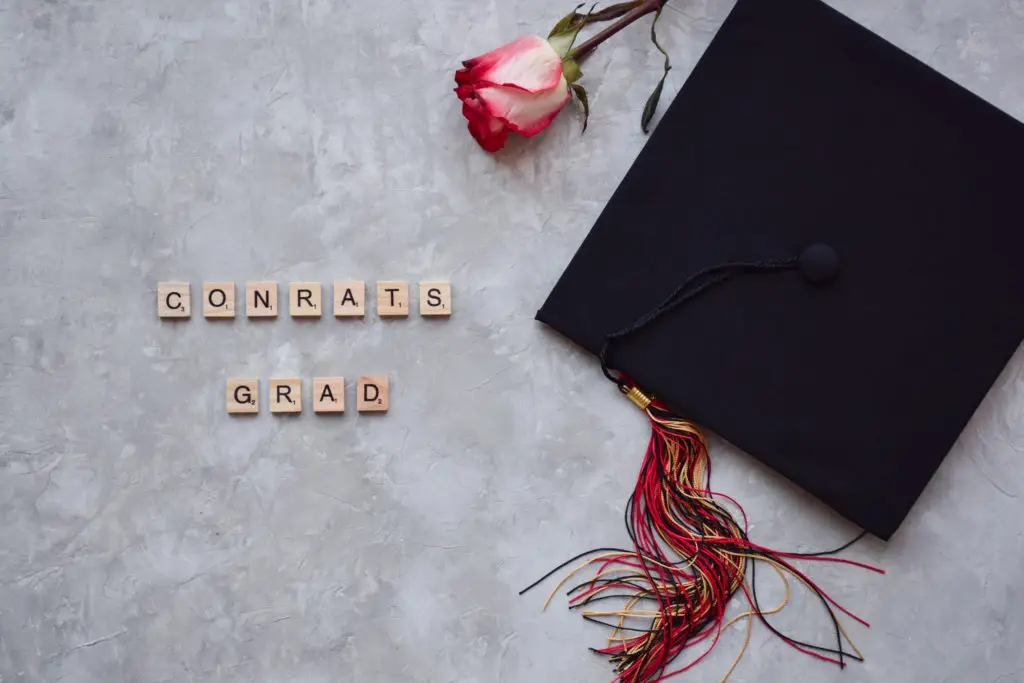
(690, 555)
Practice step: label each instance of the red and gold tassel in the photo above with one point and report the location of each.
(690, 556)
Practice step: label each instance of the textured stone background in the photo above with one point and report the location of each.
(147, 536)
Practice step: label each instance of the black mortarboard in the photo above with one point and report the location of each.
(799, 127)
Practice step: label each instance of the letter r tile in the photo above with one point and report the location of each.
(305, 299)
(285, 395)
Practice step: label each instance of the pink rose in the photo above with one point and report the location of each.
(520, 86)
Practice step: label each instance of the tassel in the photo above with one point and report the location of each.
(690, 556)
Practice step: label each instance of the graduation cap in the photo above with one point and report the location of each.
(817, 256)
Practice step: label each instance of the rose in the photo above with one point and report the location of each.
(519, 86)
(522, 86)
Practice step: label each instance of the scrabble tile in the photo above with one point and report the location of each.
(173, 300)
(261, 299)
(328, 394)
(219, 299)
(392, 298)
(372, 394)
(243, 396)
(435, 298)
(285, 395)
(305, 299)
(349, 299)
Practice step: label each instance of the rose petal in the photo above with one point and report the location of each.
(528, 63)
(526, 113)
(488, 131)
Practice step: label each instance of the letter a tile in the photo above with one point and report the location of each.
(328, 395)
(349, 299)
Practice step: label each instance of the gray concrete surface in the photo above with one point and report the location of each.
(147, 536)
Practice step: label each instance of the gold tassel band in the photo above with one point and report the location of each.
(642, 400)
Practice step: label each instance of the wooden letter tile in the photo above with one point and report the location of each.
(285, 395)
(261, 299)
(328, 394)
(305, 299)
(392, 298)
(173, 300)
(243, 396)
(435, 298)
(219, 299)
(372, 394)
(349, 299)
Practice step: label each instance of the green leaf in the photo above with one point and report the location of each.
(652, 102)
(652, 105)
(573, 21)
(564, 34)
(568, 23)
(563, 42)
(654, 39)
(571, 70)
(581, 94)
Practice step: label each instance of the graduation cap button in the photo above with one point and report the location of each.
(819, 264)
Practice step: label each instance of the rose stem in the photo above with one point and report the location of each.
(578, 53)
